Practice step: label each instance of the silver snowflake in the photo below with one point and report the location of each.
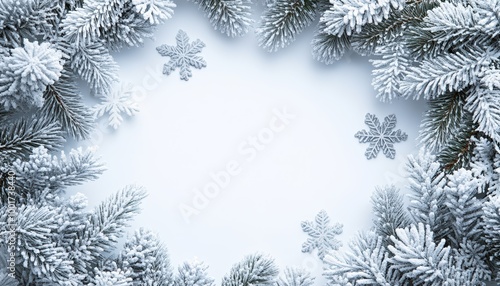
(116, 103)
(381, 136)
(183, 56)
(322, 235)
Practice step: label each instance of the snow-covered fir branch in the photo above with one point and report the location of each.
(445, 52)
(446, 235)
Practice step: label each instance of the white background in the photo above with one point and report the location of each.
(186, 130)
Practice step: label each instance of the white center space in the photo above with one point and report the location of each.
(188, 132)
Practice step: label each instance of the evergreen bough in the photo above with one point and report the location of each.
(446, 235)
(442, 51)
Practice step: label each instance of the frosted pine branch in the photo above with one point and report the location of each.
(484, 104)
(255, 269)
(106, 224)
(295, 277)
(349, 16)
(96, 66)
(87, 24)
(442, 120)
(26, 73)
(446, 73)
(426, 183)
(389, 211)
(230, 17)
(18, 139)
(155, 11)
(45, 171)
(283, 21)
(63, 103)
(418, 257)
(145, 260)
(329, 48)
(390, 70)
(365, 263)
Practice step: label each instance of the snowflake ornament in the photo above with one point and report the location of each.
(322, 235)
(115, 103)
(183, 56)
(381, 136)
